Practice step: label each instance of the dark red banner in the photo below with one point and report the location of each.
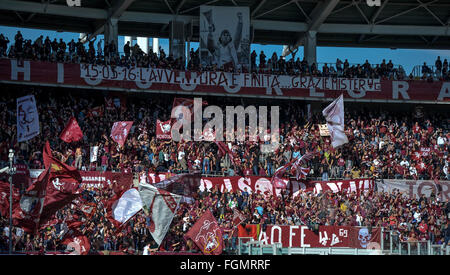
(105, 77)
(326, 236)
(263, 185)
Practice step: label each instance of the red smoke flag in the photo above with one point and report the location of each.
(206, 234)
(120, 131)
(28, 212)
(163, 129)
(72, 132)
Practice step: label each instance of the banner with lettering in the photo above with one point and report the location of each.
(416, 188)
(213, 83)
(325, 236)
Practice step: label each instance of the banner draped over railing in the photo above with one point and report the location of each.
(158, 80)
(325, 236)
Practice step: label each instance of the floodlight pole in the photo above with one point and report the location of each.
(11, 173)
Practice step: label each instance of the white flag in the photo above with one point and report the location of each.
(128, 205)
(94, 153)
(161, 206)
(27, 118)
(334, 114)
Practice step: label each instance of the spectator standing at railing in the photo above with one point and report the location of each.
(438, 65)
(446, 233)
(3, 45)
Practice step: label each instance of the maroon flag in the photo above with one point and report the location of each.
(163, 129)
(76, 243)
(186, 102)
(58, 168)
(72, 132)
(120, 131)
(238, 217)
(277, 181)
(28, 212)
(4, 198)
(109, 104)
(225, 150)
(181, 184)
(63, 187)
(206, 234)
(302, 172)
(95, 112)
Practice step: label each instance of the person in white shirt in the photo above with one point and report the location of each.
(441, 140)
(404, 162)
(146, 250)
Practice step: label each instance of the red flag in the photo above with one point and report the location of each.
(109, 104)
(63, 187)
(95, 112)
(28, 212)
(181, 184)
(120, 131)
(238, 217)
(225, 150)
(77, 242)
(4, 198)
(58, 168)
(206, 234)
(163, 129)
(72, 132)
(186, 102)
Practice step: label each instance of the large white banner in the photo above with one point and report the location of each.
(27, 118)
(225, 79)
(416, 188)
(225, 36)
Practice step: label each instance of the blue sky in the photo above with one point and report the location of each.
(408, 58)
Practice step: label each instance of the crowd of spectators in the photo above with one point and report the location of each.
(107, 53)
(383, 144)
(419, 219)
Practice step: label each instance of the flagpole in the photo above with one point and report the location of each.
(11, 173)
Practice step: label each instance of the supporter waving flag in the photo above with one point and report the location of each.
(27, 118)
(225, 150)
(163, 129)
(120, 131)
(334, 115)
(277, 181)
(302, 172)
(76, 242)
(27, 213)
(238, 217)
(161, 206)
(185, 185)
(72, 132)
(206, 234)
(4, 198)
(63, 187)
(123, 206)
